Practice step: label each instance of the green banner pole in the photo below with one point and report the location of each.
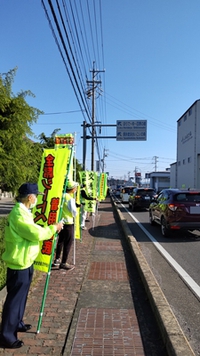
(53, 249)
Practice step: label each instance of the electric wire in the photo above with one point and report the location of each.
(68, 25)
(67, 54)
(83, 44)
(91, 32)
(76, 36)
(71, 35)
(129, 110)
(59, 48)
(76, 63)
(84, 35)
(96, 32)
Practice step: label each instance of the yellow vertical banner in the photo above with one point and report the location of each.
(51, 181)
(65, 141)
(102, 191)
(90, 178)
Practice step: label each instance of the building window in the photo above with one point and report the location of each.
(190, 111)
(164, 179)
(183, 161)
(185, 117)
(179, 163)
(179, 123)
(189, 160)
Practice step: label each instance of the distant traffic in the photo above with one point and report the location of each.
(173, 209)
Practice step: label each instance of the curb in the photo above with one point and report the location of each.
(171, 332)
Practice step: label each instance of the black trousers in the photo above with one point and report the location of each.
(18, 284)
(65, 239)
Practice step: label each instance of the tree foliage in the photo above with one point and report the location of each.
(48, 142)
(18, 159)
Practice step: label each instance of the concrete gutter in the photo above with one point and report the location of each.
(172, 334)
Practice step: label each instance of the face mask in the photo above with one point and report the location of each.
(33, 204)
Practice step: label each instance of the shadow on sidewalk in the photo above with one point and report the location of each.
(150, 333)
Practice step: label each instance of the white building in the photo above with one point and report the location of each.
(159, 180)
(185, 172)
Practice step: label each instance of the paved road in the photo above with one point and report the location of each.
(185, 249)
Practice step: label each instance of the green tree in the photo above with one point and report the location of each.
(18, 159)
(48, 142)
(79, 168)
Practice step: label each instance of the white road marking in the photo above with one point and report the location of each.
(195, 288)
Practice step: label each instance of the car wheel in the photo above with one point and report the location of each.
(133, 206)
(151, 219)
(165, 231)
(129, 205)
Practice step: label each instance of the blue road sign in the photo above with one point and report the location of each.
(131, 130)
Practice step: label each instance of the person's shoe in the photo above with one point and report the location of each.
(15, 345)
(83, 227)
(66, 266)
(56, 262)
(24, 328)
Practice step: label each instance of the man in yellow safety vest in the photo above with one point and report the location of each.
(66, 235)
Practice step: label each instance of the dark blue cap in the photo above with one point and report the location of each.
(29, 188)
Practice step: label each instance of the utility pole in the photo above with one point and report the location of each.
(156, 160)
(93, 84)
(103, 160)
(85, 136)
(84, 143)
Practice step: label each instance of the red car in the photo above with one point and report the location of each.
(175, 210)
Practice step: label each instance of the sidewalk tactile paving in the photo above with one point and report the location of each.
(108, 271)
(108, 246)
(109, 332)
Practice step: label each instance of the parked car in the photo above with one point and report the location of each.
(176, 209)
(141, 198)
(116, 192)
(125, 192)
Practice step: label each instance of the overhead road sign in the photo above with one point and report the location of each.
(131, 130)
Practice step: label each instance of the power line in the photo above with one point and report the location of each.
(68, 25)
(60, 112)
(60, 50)
(136, 113)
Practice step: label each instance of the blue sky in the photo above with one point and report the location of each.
(151, 57)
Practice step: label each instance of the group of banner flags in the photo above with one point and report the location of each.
(55, 171)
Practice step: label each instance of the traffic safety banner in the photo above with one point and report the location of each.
(47, 211)
(90, 179)
(102, 189)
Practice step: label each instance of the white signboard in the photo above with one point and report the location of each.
(131, 130)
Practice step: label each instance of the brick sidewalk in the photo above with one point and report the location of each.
(89, 311)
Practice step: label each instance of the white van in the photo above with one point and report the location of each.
(125, 192)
